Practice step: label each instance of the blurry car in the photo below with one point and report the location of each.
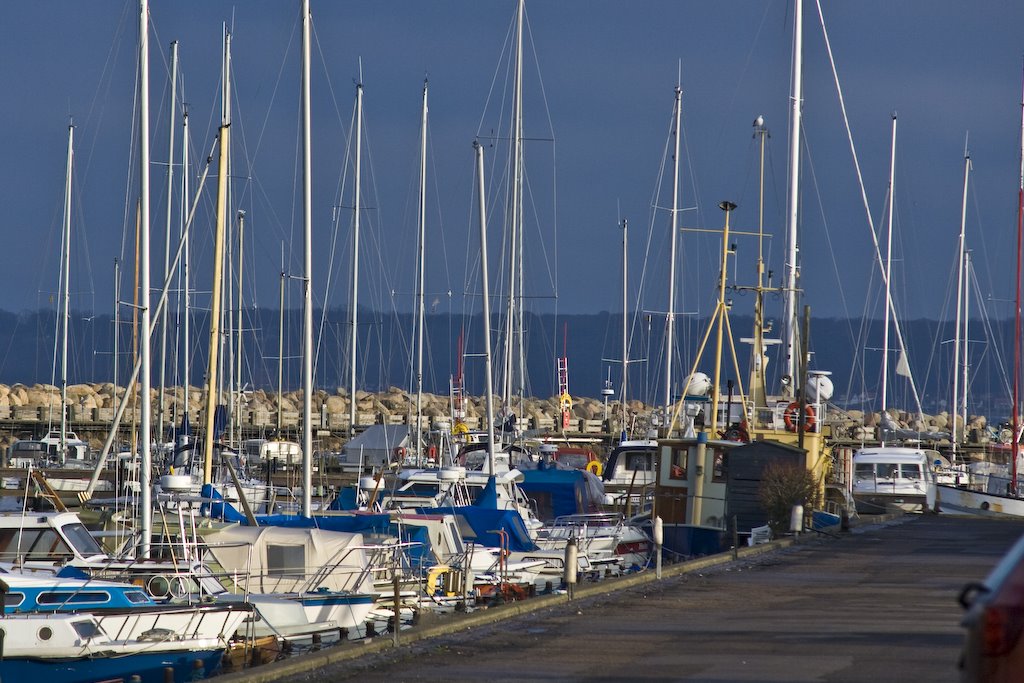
(993, 649)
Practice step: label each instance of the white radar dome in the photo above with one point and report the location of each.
(819, 388)
(699, 385)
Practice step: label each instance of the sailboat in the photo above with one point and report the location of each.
(994, 486)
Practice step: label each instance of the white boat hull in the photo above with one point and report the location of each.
(958, 500)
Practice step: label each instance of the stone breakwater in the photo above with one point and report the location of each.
(97, 403)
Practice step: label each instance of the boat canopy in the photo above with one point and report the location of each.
(479, 525)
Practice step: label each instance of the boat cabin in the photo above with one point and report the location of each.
(75, 448)
(630, 468)
(890, 477)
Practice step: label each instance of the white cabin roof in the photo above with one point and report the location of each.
(894, 454)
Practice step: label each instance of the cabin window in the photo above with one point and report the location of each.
(81, 539)
(864, 471)
(543, 505)
(677, 469)
(718, 468)
(137, 597)
(465, 528)
(13, 599)
(639, 461)
(456, 538)
(286, 560)
(424, 490)
(910, 471)
(87, 629)
(72, 598)
(33, 544)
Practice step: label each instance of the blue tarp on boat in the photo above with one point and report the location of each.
(478, 525)
(488, 496)
(358, 523)
(562, 492)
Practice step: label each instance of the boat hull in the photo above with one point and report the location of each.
(958, 500)
(881, 503)
(150, 667)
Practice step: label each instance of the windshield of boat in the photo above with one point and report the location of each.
(81, 540)
(574, 460)
(887, 470)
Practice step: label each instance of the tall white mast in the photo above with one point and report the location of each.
(353, 312)
(66, 298)
(167, 234)
(237, 400)
(515, 221)
(966, 338)
(117, 319)
(489, 399)
(307, 282)
(145, 417)
(959, 304)
(185, 284)
(421, 284)
(888, 270)
(670, 317)
(625, 314)
(791, 337)
(225, 374)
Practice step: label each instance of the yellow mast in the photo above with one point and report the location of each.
(218, 257)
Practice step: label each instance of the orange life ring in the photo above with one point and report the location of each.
(400, 453)
(791, 417)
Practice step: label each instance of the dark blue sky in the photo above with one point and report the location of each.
(606, 71)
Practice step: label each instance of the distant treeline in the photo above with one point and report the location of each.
(850, 349)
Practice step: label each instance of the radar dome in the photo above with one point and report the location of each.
(819, 388)
(699, 385)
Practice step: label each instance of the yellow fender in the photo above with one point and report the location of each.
(434, 581)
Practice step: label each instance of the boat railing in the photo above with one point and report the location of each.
(583, 520)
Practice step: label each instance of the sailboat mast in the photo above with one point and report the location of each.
(670, 317)
(625, 314)
(489, 381)
(167, 235)
(959, 305)
(216, 291)
(966, 337)
(758, 389)
(66, 298)
(421, 284)
(307, 281)
(145, 418)
(237, 412)
(888, 270)
(515, 222)
(790, 334)
(280, 344)
(226, 375)
(185, 266)
(353, 312)
(117, 320)
(1015, 419)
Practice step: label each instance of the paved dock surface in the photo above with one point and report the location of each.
(877, 604)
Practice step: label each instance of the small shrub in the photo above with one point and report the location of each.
(784, 485)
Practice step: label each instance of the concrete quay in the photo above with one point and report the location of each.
(874, 604)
